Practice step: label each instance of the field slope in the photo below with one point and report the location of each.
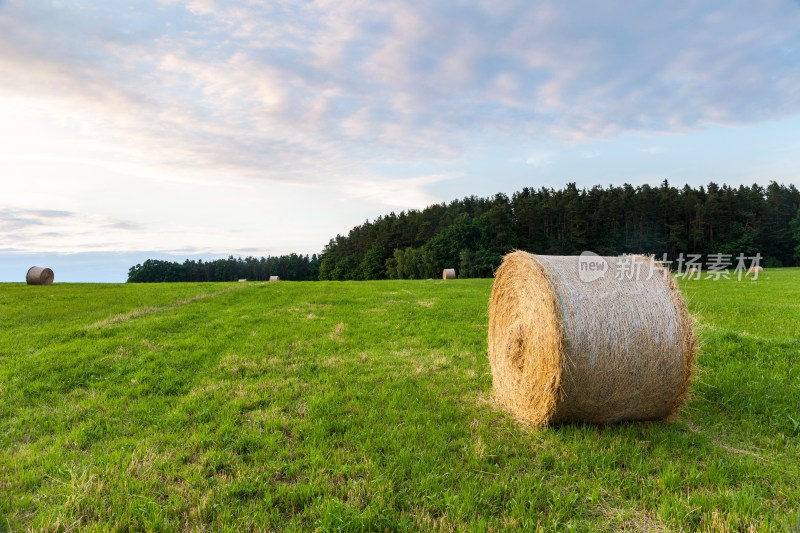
(367, 405)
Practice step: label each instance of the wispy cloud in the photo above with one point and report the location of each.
(287, 90)
(35, 229)
(402, 193)
(540, 159)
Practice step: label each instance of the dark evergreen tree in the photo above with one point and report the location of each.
(291, 267)
(473, 234)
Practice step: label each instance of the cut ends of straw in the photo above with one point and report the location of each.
(568, 345)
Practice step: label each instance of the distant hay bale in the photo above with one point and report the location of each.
(754, 269)
(274, 278)
(449, 273)
(242, 280)
(692, 270)
(39, 276)
(601, 350)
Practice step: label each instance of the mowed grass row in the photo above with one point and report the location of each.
(367, 406)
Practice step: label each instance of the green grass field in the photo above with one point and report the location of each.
(367, 406)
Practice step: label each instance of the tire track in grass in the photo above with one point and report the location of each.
(147, 311)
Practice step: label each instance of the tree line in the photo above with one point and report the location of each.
(292, 267)
(472, 234)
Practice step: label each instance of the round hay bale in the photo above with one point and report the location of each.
(39, 276)
(449, 273)
(274, 278)
(756, 269)
(601, 351)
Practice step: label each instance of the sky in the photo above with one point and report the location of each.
(178, 129)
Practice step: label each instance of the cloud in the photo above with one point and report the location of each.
(20, 218)
(291, 91)
(24, 230)
(403, 193)
(540, 159)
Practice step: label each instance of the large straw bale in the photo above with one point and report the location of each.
(449, 273)
(611, 349)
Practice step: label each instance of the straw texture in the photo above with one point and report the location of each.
(39, 276)
(274, 278)
(449, 273)
(564, 350)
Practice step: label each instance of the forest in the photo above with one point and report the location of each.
(292, 267)
(472, 234)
